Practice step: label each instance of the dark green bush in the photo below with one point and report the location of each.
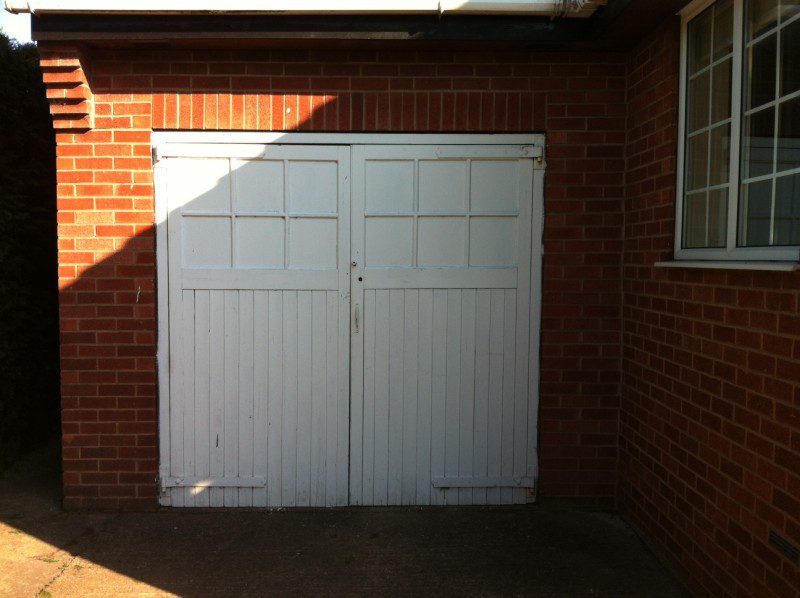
(29, 397)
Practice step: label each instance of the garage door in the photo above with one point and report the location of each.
(333, 344)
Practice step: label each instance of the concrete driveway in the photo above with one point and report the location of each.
(454, 551)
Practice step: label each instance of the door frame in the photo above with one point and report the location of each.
(174, 144)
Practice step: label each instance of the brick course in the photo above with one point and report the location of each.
(105, 194)
(710, 416)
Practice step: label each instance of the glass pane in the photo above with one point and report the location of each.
(697, 161)
(761, 72)
(757, 202)
(699, 40)
(762, 15)
(721, 100)
(698, 102)
(694, 219)
(789, 135)
(787, 210)
(723, 29)
(717, 217)
(720, 155)
(790, 58)
(789, 8)
(759, 137)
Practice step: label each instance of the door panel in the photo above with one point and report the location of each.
(298, 378)
(259, 328)
(442, 293)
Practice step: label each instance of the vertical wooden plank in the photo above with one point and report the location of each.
(202, 368)
(521, 392)
(217, 392)
(481, 411)
(369, 421)
(438, 390)
(495, 398)
(408, 493)
(177, 398)
(509, 369)
(164, 348)
(246, 400)
(231, 495)
(424, 392)
(453, 392)
(535, 301)
(467, 395)
(319, 415)
(381, 432)
(289, 429)
(275, 406)
(331, 464)
(304, 375)
(396, 329)
(344, 300)
(260, 392)
(189, 399)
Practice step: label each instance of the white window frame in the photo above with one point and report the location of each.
(732, 252)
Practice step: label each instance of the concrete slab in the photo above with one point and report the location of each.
(474, 551)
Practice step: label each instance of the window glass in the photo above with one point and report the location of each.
(721, 95)
(761, 133)
(758, 149)
(789, 135)
(762, 15)
(708, 131)
(757, 198)
(787, 210)
(761, 72)
(699, 32)
(771, 125)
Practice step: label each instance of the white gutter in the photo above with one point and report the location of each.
(499, 7)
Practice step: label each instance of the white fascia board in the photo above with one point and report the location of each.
(530, 7)
(222, 6)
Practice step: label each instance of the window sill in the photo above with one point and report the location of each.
(731, 265)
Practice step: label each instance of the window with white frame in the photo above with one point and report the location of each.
(739, 162)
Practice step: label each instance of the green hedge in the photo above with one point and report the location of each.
(29, 396)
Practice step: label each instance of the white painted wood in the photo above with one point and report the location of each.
(478, 483)
(440, 278)
(442, 281)
(287, 280)
(259, 333)
(199, 482)
(168, 143)
(262, 330)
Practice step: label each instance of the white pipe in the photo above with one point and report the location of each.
(530, 7)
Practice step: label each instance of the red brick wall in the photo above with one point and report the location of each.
(106, 217)
(710, 415)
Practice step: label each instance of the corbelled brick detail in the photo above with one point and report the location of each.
(67, 87)
(710, 418)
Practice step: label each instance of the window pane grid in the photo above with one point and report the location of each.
(770, 158)
(708, 128)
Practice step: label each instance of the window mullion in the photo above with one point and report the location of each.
(710, 120)
(737, 69)
(776, 132)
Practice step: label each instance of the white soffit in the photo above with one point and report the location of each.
(576, 8)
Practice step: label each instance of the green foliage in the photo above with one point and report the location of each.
(29, 397)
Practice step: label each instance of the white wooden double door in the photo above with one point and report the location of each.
(350, 324)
